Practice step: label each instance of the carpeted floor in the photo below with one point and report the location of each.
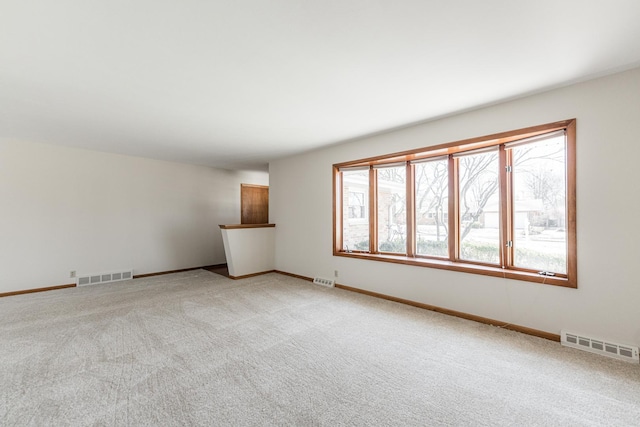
(196, 348)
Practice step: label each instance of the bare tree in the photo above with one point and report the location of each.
(543, 177)
(396, 203)
(478, 183)
(432, 185)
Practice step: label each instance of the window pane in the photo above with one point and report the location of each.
(432, 204)
(539, 193)
(355, 212)
(392, 213)
(479, 216)
(357, 205)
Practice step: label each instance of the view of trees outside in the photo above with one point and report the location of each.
(539, 206)
(355, 215)
(432, 201)
(539, 189)
(478, 176)
(392, 209)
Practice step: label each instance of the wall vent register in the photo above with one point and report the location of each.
(98, 278)
(603, 347)
(323, 282)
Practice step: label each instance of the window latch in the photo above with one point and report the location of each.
(546, 273)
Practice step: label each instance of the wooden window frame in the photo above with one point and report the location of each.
(506, 269)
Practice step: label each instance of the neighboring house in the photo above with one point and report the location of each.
(391, 210)
(528, 213)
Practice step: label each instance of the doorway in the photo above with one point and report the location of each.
(254, 204)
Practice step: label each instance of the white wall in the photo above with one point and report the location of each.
(64, 209)
(607, 301)
(249, 250)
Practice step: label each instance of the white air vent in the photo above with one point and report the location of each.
(95, 279)
(606, 348)
(323, 282)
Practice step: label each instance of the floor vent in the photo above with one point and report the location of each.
(625, 352)
(95, 279)
(323, 282)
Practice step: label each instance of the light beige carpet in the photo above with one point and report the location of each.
(196, 348)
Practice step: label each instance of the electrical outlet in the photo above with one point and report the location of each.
(72, 274)
(335, 273)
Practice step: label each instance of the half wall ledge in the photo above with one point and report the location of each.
(233, 226)
(249, 248)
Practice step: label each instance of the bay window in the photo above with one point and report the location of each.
(500, 205)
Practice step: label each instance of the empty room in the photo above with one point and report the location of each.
(319, 213)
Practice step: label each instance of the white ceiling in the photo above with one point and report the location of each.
(237, 83)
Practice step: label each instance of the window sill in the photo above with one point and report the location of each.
(464, 267)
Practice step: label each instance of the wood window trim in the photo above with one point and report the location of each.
(410, 211)
(465, 267)
(505, 227)
(459, 146)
